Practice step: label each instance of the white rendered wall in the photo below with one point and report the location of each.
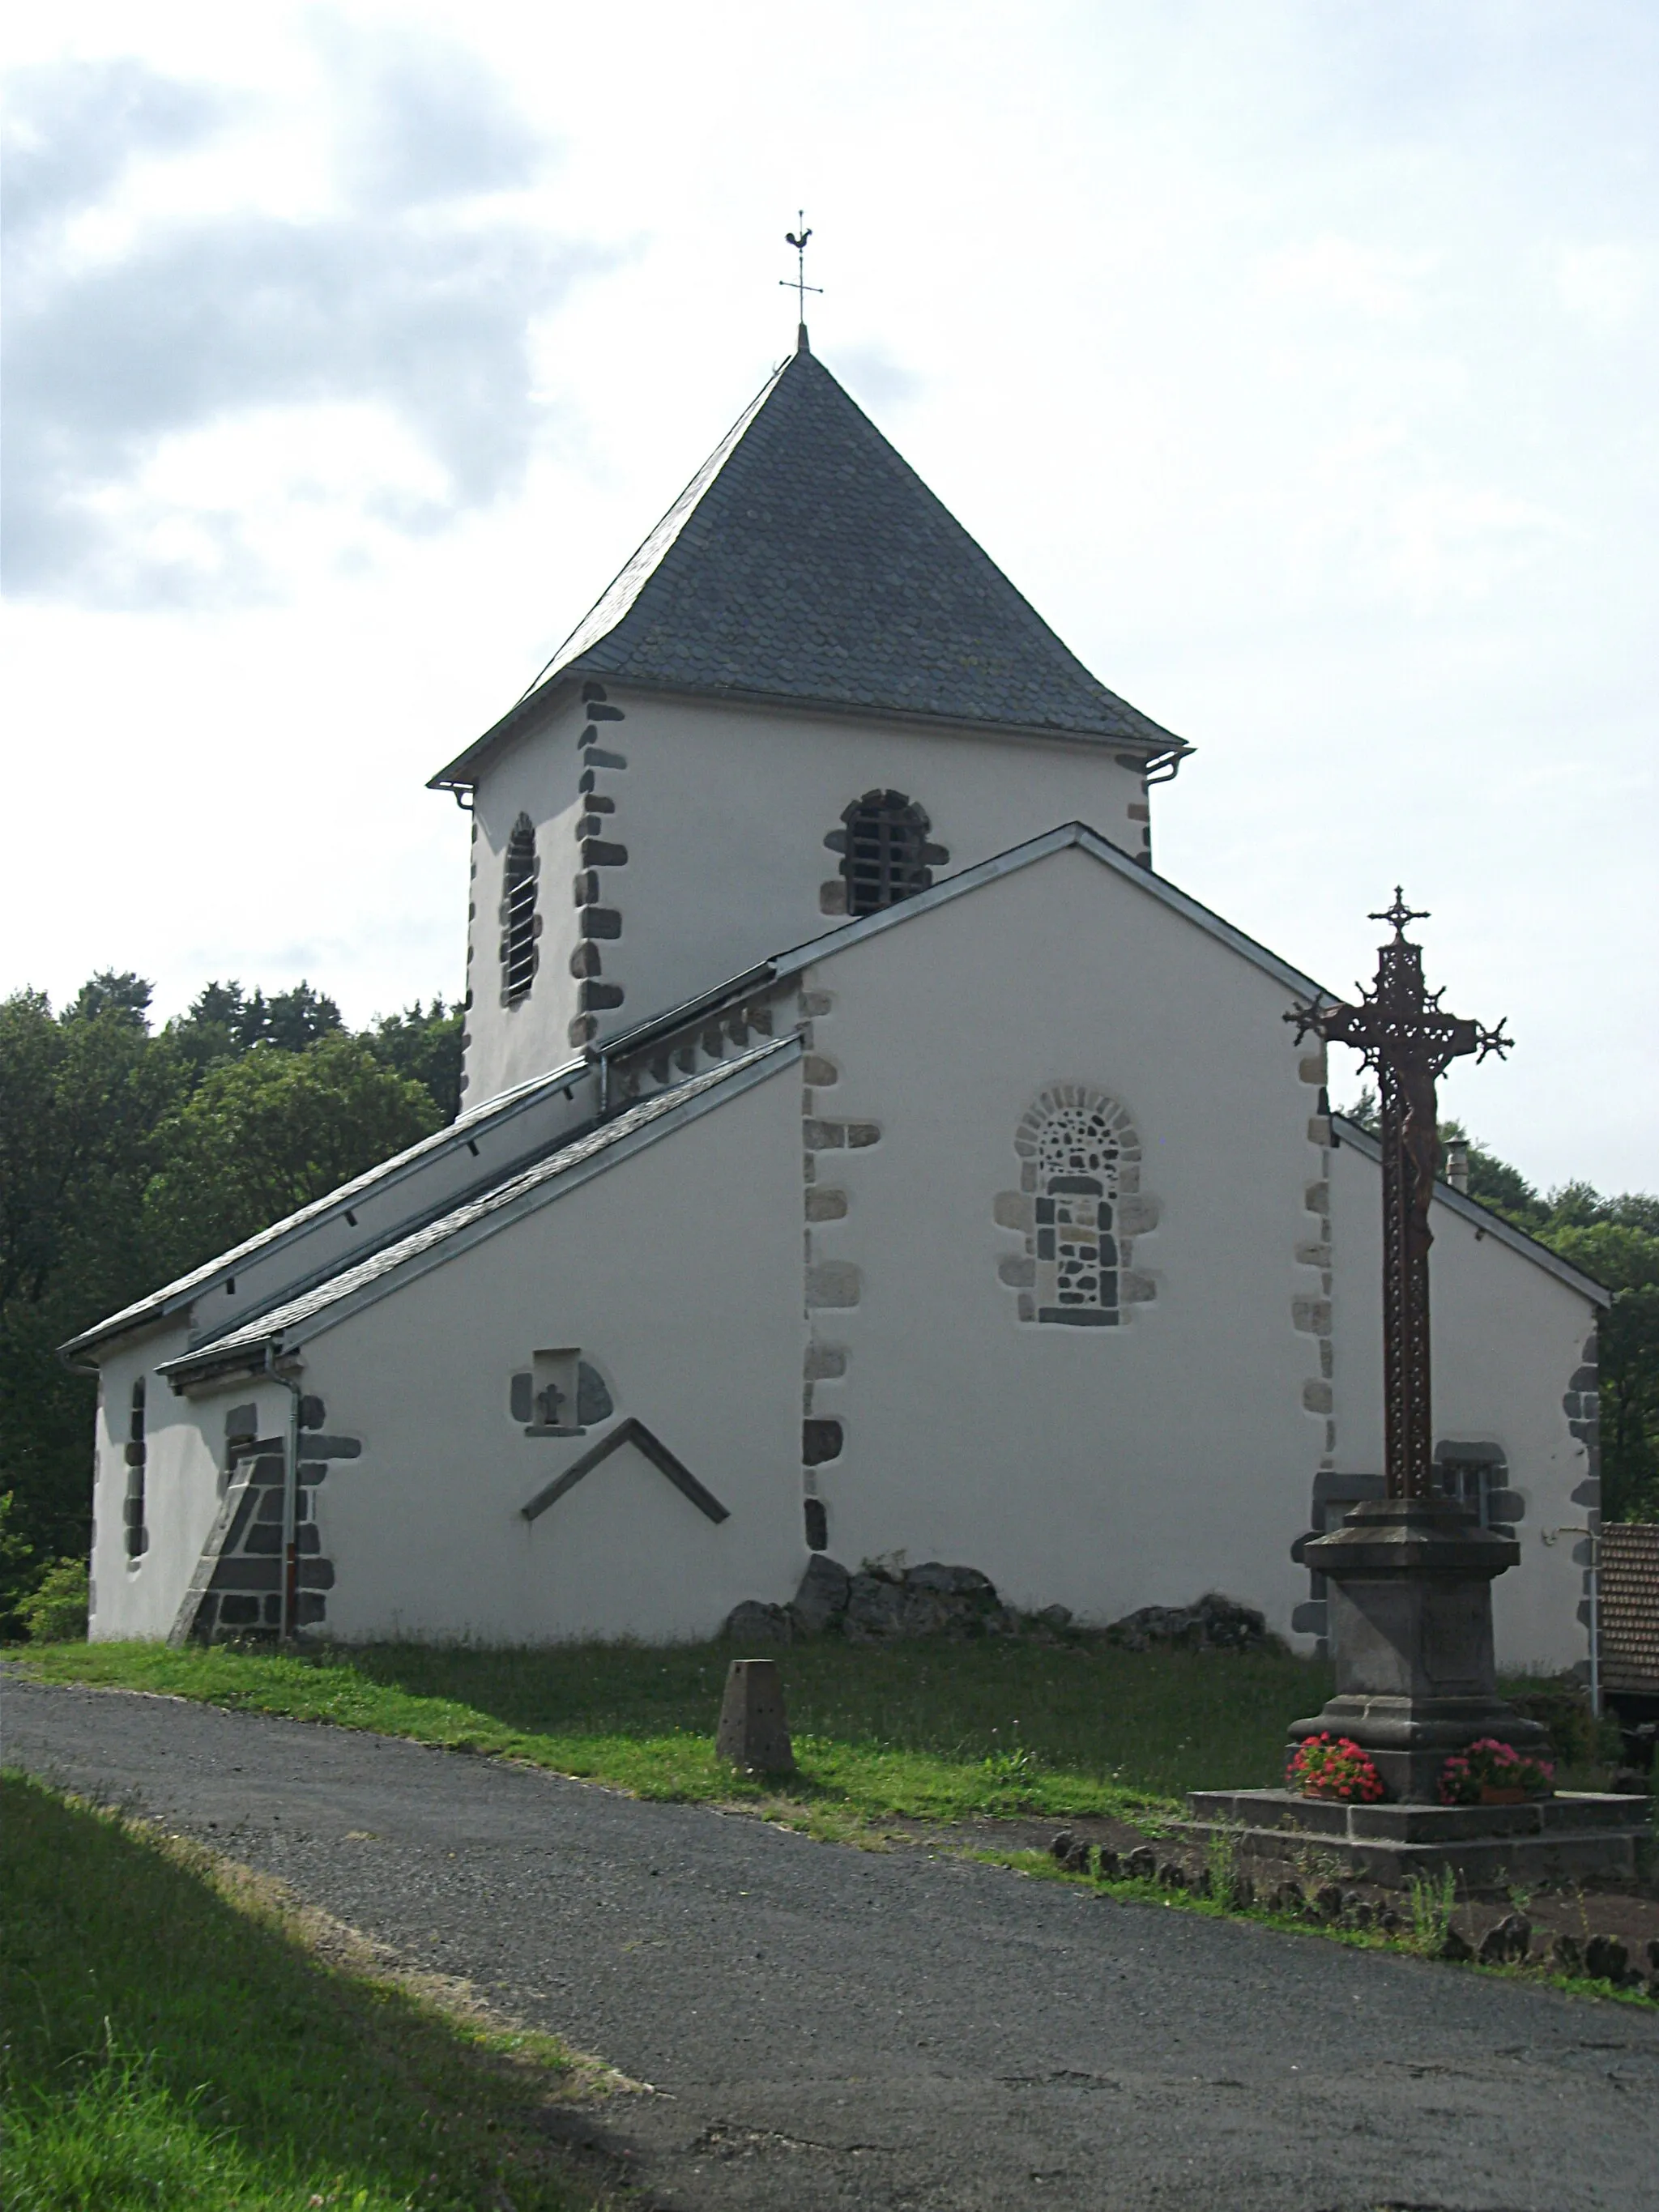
(723, 811)
(1506, 1339)
(677, 1274)
(184, 1456)
(1103, 1468)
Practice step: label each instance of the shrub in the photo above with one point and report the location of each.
(55, 1612)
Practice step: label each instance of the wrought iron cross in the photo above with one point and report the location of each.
(1399, 1028)
(798, 283)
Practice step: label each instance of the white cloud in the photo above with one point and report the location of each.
(414, 297)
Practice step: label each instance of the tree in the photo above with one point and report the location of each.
(264, 1135)
(81, 1096)
(424, 1044)
(222, 1023)
(1625, 1258)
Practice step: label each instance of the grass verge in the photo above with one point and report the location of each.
(180, 2034)
(921, 1731)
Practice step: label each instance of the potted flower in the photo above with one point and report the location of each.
(1333, 1766)
(1493, 1773)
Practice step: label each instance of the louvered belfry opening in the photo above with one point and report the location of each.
(885, 855)
(519, 913)
(132, 1510)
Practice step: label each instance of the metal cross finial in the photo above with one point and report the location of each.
(798, 283)
(1399, 913)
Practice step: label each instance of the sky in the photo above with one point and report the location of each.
(1295, 359)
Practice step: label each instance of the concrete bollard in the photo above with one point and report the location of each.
(753, 1733)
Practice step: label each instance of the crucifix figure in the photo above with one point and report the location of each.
(1401, 1031)
(798, 283)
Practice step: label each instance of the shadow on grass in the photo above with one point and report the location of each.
(933, 1730)
(1010, 1716)
(173, 2040)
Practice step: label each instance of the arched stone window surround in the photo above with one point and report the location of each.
(520, 923)
(1079, 1207)
(886, 855)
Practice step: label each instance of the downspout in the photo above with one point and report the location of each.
(290, 1585)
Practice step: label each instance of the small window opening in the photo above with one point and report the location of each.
(885, 853)
(518, 912)
(132, 1513)
(1476, 1483)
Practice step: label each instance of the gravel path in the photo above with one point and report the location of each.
(829, 2027)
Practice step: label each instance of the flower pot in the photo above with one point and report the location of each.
(1492, 1793)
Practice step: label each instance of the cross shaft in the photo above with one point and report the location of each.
(1401, 1032)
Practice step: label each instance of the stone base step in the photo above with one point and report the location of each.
(1571, 1836)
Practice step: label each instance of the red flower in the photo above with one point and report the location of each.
(1333, 1766)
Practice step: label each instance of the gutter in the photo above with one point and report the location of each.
(290, 1494)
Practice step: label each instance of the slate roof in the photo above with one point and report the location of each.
(807, 562)
(517, 1193)
(467, 1126)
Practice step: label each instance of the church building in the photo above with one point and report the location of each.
(864, 1151)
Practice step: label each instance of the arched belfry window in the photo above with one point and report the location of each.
(884, 853)
(519, 925)
(1080, 1206)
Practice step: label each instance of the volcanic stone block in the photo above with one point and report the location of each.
(753, 1733)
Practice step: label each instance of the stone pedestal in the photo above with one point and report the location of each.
(753, 1733)
(1569, 1838)
(1410, 1624)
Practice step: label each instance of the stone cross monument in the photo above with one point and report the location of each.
(1402, 1034)
(1410, 1574)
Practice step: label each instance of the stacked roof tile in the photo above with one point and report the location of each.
(1630, 1606)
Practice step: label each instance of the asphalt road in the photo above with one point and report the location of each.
(829, 2027)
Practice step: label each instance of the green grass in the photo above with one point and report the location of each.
(173, 2039)
(919, 1731)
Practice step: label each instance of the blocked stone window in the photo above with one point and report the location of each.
(1080, 1206)
(1477, 1476)
(885, 855)
(519, 925)
(561, 1395)
(132, 1510)
(1076, 1254)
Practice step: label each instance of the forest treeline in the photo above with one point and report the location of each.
(130, 1153)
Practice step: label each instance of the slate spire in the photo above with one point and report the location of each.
(807, 562)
